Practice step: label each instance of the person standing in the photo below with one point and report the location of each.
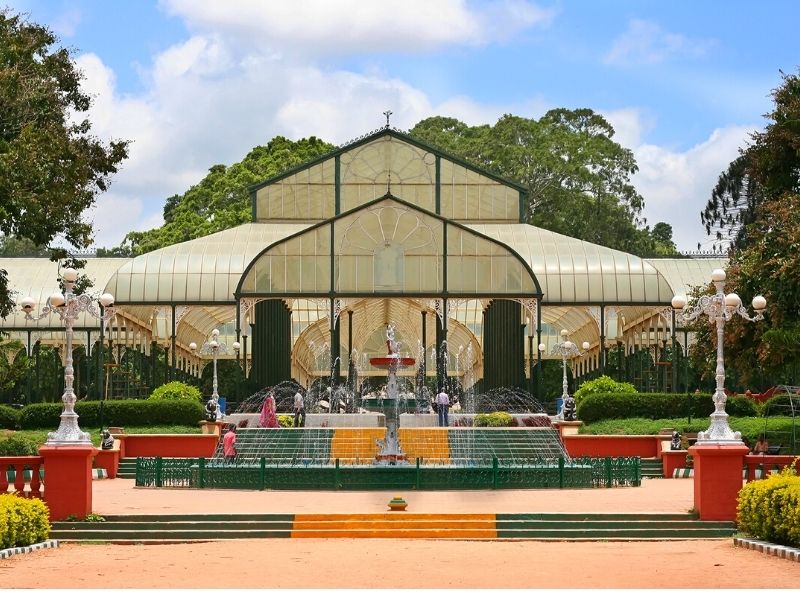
(229, 445)
(299, 410)
(268, 417)
(443, 405)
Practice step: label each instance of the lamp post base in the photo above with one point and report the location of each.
(719, 433)
(68, 432)
(717, 479)
(68, 476)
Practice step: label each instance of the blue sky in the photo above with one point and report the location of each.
(195, 83)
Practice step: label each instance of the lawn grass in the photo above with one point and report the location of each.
(40, 435)
(777, 428)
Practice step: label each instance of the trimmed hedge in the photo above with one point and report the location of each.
(23, 521)
(750, 427)
(9, 417)
(119, 413)
(598, 407)
(769, 509)
(781, 405)
(18, 445)
(495, 419)
(176, 391)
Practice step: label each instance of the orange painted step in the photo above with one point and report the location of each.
(397, 516)
(396, 525)
(393, 525)
(400, 533)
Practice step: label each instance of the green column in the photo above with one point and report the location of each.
(504, 345)
(271, 339)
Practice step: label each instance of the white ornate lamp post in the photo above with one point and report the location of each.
(68, 306)
(719, 308)
(565, 349)
(213, 347)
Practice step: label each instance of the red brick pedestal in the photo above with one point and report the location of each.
(717, 480)
(566, 428)
(671, 460)
(108, 460)
(68, 480)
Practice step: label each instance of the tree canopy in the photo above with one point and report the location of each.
(756, 206)
(764, 170)
(578, 177)
(51, 167)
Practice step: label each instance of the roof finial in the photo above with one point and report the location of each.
(388, 113)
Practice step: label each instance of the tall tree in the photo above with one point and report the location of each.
(51, 167)
(764, 170)
(578, 177)
(756, 204)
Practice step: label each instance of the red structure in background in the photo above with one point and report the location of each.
(761, 398)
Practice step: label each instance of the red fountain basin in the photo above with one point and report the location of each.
(391, 458)
(385, 362)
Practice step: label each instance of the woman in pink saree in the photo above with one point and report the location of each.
(268, 417)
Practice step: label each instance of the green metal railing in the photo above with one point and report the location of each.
(262, 474)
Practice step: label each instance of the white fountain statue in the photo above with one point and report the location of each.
(390, 451)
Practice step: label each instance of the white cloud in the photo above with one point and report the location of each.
(677, 185)
(318, 27)
(645, 43)
(115, 215)
(66, 24)
(629, 125)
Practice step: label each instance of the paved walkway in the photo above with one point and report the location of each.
(450, 565)
(120, 496)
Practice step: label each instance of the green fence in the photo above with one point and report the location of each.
(470, 475)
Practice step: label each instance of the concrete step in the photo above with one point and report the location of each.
(185, 528)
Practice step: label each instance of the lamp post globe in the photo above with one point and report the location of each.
(214, 347)
(565, 349)
(719, 308)
(68, 306)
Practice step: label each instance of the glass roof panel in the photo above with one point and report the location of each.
(307, 195)
(559, 262)
(388, 164)
(469, 196)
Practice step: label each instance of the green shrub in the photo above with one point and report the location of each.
(781, 404)
(18, 445)
(116, 413)
(769, 509)
(495, 419)
(597, 407)
(9, 417)
(604, 384)
(22, 521)
(285, 421)
(176, 391)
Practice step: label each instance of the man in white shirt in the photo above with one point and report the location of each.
(299, 410)
(443, 404)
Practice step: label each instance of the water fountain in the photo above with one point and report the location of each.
(390, 452)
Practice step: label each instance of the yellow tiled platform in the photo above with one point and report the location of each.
(429, 443)
(356, 444)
